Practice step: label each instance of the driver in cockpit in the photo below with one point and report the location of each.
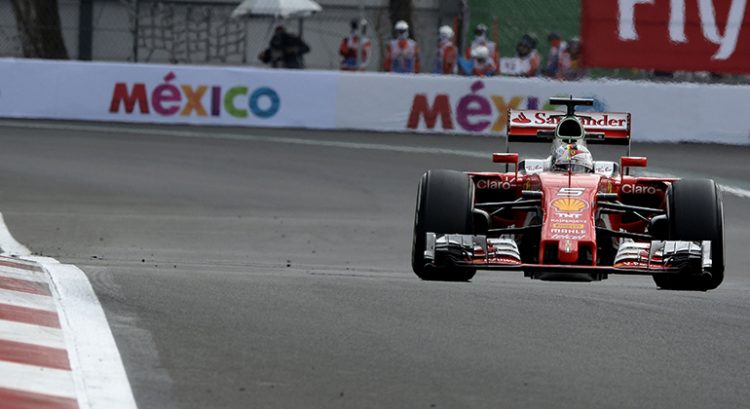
(572, 157)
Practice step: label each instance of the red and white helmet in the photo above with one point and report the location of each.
(573, 157)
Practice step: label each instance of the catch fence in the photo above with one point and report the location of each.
(204, 32)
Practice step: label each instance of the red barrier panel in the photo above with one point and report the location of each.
(667, 35)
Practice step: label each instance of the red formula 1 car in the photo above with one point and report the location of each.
(568, 217)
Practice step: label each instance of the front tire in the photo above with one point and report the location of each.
(445, 202)
(696, 213)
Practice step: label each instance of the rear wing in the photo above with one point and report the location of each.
(610, 128)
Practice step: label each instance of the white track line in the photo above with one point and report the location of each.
(214, 134)
(736, 191)
(732, 190)
(30, 378)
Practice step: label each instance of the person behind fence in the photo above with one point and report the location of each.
(285, 50)
(484, 66)
(481, 39)
(355, 54)
(556, 47)
(570, 67)
(401, 53)
(447, 53)
(528, 55)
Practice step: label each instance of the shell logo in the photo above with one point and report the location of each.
(569, 205)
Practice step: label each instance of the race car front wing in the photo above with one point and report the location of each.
(502, 253)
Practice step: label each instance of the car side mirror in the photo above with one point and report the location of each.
(633, 162)
(507, 158)
(627, 162)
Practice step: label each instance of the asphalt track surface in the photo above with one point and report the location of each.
(273, 272)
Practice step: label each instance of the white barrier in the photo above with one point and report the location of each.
(366, 101)
(661, 112)
(167, 94)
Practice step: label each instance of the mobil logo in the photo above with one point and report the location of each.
(199, 100)
(472, 112)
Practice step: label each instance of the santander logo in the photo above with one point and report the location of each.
(521, 119)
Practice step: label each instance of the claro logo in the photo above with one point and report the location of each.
(168, 99)
(498, 184)
(629, 189)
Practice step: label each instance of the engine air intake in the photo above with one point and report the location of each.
(569, 128)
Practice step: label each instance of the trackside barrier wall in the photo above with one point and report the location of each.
(234, 96)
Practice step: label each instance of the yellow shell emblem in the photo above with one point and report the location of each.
(569, 205)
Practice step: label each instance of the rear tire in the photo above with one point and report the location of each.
(445, 202)
(695, 213)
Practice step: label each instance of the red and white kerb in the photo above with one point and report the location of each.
(34, 365)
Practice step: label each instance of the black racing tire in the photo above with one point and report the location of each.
(445, 202)
(695, 212)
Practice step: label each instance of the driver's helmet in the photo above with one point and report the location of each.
(573, 157)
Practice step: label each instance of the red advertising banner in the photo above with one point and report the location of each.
(667, 35)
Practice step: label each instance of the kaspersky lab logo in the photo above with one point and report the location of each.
(169, 99)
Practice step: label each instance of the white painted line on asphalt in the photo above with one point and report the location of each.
(246, 137)
(19, 299)
(733, 190)
(32, 334)
(36, 379)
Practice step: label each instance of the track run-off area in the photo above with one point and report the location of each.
(257, 268)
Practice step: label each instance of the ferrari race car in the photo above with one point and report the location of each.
(568, 217)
